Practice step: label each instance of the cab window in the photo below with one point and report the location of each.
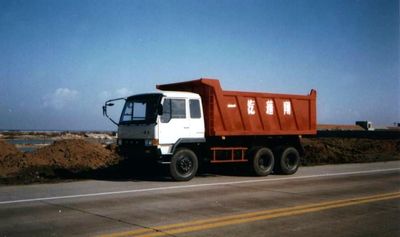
(194, 109)
(173, 109)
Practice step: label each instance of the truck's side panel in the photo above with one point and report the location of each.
(236, 113)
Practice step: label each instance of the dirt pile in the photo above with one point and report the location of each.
(80, 158)
(349, 150)
(7, 149)
(11, 159)
(74, 155)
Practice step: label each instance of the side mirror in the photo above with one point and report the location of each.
(108, 103)
(105, 108)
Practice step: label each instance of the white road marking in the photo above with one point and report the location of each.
(196, 186)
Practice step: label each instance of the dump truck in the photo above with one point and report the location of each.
(189, 123)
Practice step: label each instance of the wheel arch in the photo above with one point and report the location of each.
(190, 143)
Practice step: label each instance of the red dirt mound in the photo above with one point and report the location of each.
(7, 149)
(11, 159)
(77, 155)
(349, 150)
(74, 155)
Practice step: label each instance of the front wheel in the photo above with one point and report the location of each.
(184, 165)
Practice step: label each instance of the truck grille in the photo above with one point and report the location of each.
(132, 142)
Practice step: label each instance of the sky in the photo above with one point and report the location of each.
(60, 60)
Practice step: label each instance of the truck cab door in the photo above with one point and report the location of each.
(196, 119)
(174, 122)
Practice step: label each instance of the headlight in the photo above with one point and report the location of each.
(147, 142)
(151, 142)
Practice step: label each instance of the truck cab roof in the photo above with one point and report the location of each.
(170, 94)
(180, 94)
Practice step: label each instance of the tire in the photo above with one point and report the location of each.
(288, 162)
(184, 165)
(262, 161)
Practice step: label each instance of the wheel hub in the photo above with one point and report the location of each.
(263, 162)
(185, 165)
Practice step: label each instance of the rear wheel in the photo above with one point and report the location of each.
(288, 162)
(262, 161)
(184, 165)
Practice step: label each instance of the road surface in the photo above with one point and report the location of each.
(333, 200)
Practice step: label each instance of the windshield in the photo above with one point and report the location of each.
(141, 109)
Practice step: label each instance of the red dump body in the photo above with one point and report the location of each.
(236, 113)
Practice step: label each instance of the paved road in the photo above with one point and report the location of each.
(339, 200)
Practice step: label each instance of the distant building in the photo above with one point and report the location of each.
(367, 125)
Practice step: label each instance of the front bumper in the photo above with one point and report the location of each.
(135, 150)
